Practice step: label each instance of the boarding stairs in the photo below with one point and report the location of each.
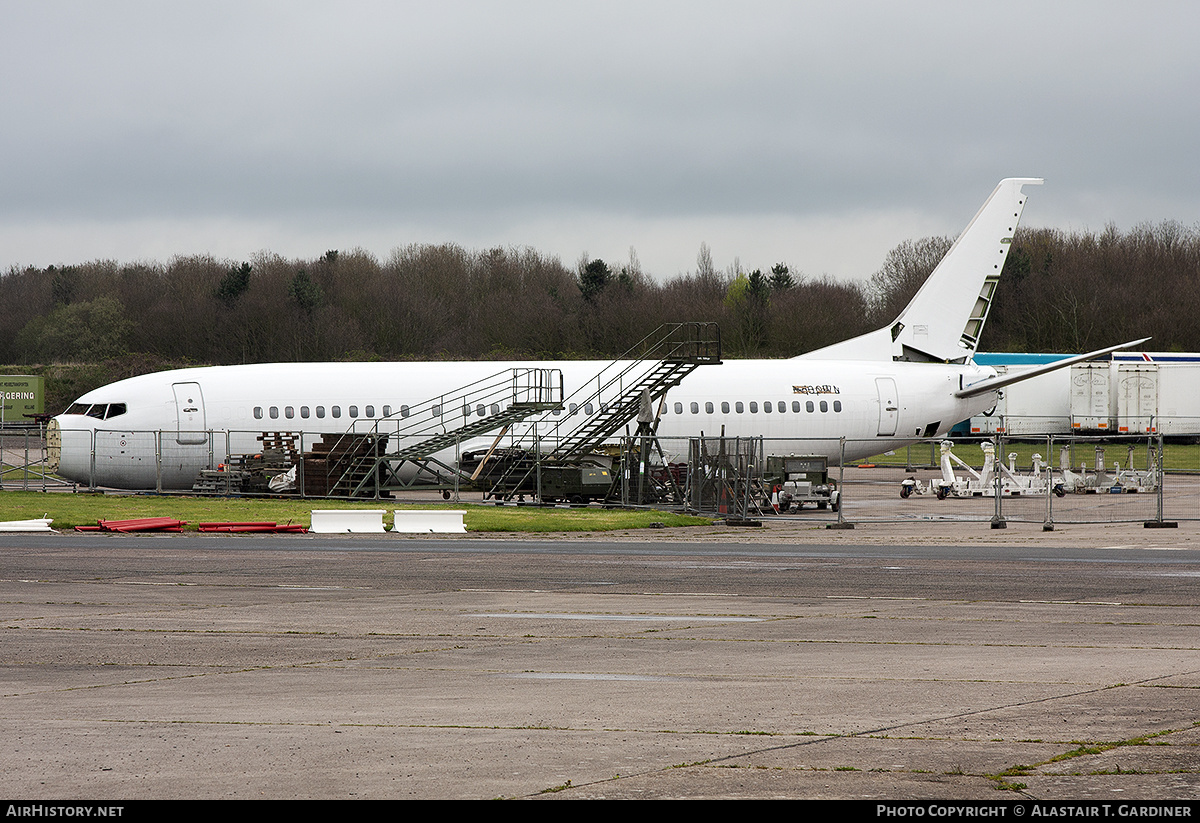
(360, 462)
(618, 393)
(654, 365)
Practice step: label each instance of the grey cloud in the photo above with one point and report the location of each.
(483, 115)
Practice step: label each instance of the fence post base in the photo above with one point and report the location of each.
(1160, 524)
(842, 524)
(999, 523)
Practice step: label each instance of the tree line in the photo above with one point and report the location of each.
(1059, 292)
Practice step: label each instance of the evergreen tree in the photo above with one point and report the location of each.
(305, 292)
(594, 279)
(234, 284)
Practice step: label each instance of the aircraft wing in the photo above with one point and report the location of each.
(999, 382)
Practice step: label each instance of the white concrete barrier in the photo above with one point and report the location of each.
(430, 521)
(343, 521)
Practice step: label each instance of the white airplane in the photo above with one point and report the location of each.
(908, 381)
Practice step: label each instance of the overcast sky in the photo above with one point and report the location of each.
(819, 134)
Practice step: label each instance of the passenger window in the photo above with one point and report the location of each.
(336, 411)
(387, 411)
(824, 407)
(495, 408)
(695, 407)
(437, 409)
(796, 405)
(589, 409)
(767, 407)
(404, 412)
(782, 407)
(321, 412)
(304, 412)
(274, 412)
(837, 405)
(808, 407)
(679, 408)
(370, 411)
(354, 411)
(753, 407)
(573, 407)
(289, 412)
(740, 408)
(258, 412)
(481, 409)
(708, 408)
(724, 407)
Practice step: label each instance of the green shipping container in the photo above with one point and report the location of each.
(22, 396)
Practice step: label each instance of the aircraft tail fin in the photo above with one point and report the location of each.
(943, 321)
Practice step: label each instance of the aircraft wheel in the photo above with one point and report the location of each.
(905, 491)
(942, 492)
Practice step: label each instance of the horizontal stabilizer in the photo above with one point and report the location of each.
(993, 383)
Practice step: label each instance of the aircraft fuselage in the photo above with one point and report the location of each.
(161, 429)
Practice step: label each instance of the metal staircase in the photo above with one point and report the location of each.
(651, 367)
(655, 364)
(359, 462)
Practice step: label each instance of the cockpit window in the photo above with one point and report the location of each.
(100, 411)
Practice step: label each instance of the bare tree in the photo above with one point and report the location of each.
(907, 266)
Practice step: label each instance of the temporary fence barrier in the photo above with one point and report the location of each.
(1048, 479)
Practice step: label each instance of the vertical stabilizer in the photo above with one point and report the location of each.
(943, 321)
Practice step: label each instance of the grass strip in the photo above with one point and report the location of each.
(71, 510)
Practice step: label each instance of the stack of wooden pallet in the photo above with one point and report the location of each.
(339, 463)
(250, 473)
(280, 448)
(222, 480)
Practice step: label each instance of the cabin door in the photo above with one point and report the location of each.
(189, 414)
(889, 406)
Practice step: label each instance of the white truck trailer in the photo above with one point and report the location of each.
(1129, 393)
